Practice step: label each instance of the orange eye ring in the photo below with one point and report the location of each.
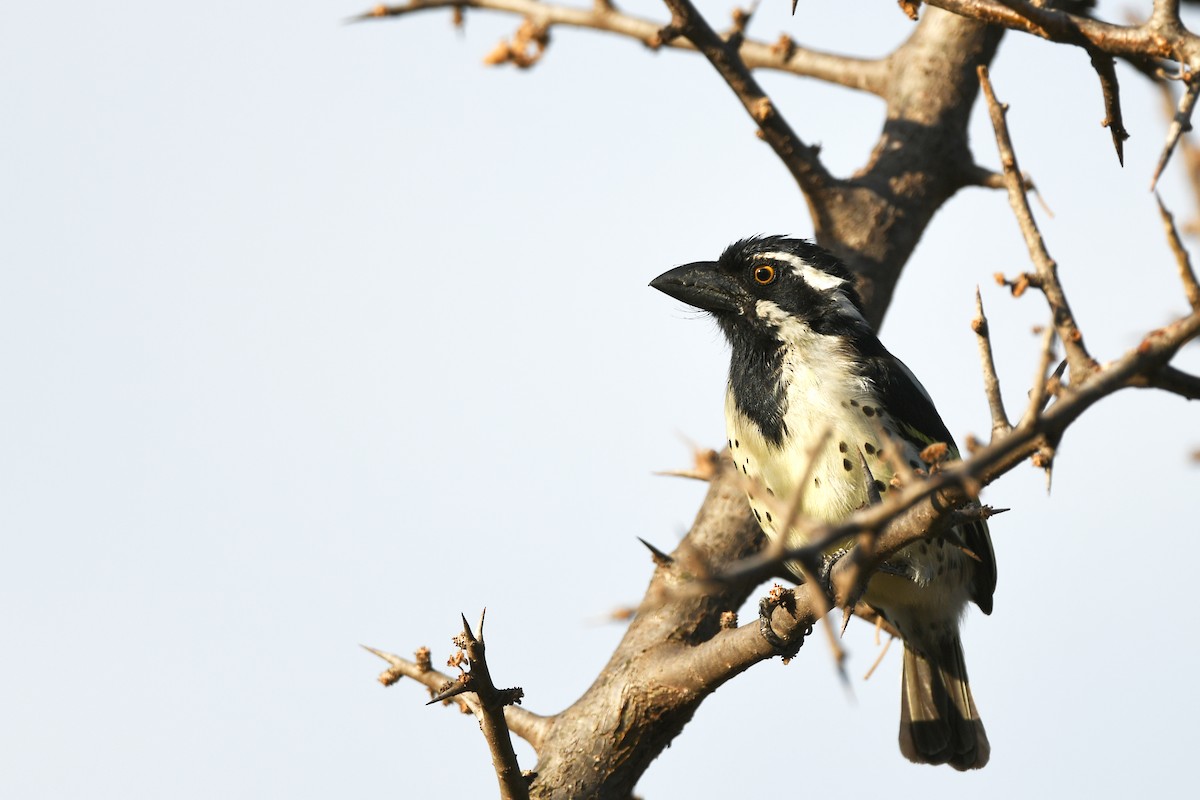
(764, 274)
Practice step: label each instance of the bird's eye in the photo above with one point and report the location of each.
(764, 274)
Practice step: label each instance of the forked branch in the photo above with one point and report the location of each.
(784, 55)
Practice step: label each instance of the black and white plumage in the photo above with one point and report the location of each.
(804, 362)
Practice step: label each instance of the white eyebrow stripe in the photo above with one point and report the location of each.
(819, 280)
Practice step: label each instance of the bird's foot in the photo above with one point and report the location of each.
(825, 573)
(788, 646)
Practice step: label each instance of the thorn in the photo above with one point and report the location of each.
(660, 558)
(794, 4)
(373, 651)
(847, 613)
(466, 626)
(454, 689)
(482, 615)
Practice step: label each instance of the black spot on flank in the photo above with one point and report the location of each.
(744, 470)
(757, 516)
(731, 443)
(817, 482)
(843, 447)
(846, 464)
(736, 443)
(880, 487)
(770, 491)
(854, 403)
(870, 448)
(870, 412)
(769, 516)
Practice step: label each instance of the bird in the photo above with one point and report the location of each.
(809, 380)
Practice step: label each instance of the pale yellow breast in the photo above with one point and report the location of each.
(835, 484)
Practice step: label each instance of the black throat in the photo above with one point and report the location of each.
(756, 380)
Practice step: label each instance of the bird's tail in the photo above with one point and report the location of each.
(938, 720)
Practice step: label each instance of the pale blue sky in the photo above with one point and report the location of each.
(315, 335)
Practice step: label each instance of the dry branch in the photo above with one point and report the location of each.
(524, 723)
(1187, 275)
(867, 75)
(1080, 361)
(991, 382)
(1162, 36)
(799, 158)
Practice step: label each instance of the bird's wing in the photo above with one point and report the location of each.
(913, 412)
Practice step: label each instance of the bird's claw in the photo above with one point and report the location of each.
(825, 573)
(786, 599)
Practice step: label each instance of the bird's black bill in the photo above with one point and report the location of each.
(702, 285)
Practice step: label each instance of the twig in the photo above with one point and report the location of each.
(1161, 36)
(1177, 382)
(1189, 151)
(490, 711)
(867, 75)
(1038, 395)
(1186, 274)
(991, 382)
(1181, 122)
(800, 159)
(879, 659)
(524, 723)
(1080, 361)
(1105, 69)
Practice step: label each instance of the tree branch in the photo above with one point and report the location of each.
(1181, 122)
(1111, 91)
(800, 159)
(867, 75)
(1184, 263)
(991, 382)
(492, 702)
(529, 726)
(1161, 36)
(1047, 271)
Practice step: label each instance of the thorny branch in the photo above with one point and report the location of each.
(800, 159)
(1047, 271)
(524, 723)
(1162, 36)
(784, 55)
(873, 219)
(991, 383)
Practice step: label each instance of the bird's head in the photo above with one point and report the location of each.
(770, 287)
